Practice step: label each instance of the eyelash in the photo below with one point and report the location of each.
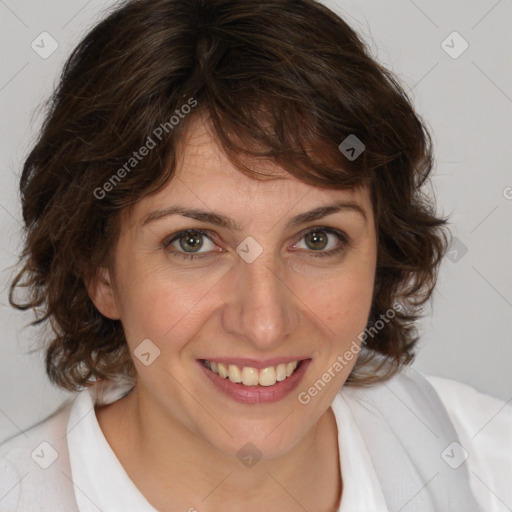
(342, 237)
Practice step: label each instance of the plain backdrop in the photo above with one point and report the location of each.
(453, 58)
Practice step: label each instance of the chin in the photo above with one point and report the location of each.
(257, 446)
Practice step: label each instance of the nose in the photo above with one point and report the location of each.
(259, 305)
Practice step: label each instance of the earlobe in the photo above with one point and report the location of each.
(101, 292)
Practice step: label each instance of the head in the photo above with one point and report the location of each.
(244, 112)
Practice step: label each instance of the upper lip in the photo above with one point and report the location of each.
(254, 363)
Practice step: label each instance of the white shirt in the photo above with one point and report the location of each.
(483, 425)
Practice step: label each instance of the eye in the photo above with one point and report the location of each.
(323, 241)
(195, 243)
(191, 243)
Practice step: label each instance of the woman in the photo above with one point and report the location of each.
(226, 231)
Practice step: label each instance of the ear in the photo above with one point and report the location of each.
(101, 292)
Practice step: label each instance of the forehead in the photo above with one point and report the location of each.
(200, 156)
(205, 177)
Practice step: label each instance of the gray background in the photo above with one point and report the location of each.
(467, 102)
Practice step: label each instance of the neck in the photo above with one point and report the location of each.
(170, 463)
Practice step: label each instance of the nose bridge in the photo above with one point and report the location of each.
(261, 308)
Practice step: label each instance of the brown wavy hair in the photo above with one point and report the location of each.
(286, 80)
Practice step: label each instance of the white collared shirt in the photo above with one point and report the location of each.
(97, 473)
(100, 483)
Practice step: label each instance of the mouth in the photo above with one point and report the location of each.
(255, 382)
(250, 376)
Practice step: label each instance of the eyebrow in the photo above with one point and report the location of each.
(223, 221)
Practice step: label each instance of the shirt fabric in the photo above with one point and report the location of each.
(77, 455)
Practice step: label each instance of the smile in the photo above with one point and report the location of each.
(254, 382)
(249, 376)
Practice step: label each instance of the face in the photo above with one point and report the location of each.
(269, 282)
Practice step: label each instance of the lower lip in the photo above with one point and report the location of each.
(257, 394)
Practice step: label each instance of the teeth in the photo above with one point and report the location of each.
(281, 372)
(249, 376)
(223, 371)
(234, 374)
(290, 367)
(268, 376)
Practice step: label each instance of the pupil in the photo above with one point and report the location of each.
(316, 240)
(190, 242)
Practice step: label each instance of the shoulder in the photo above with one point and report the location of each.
(481, 426)
(473, 412)
(51, 429)
(484, 427)
(34, 466)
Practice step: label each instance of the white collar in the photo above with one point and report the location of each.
(100, 481)
(361, 488)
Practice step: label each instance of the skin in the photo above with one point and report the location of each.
(175, 434)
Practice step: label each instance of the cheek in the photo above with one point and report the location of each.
(343, 308)
(155, 303)
(341, 300)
